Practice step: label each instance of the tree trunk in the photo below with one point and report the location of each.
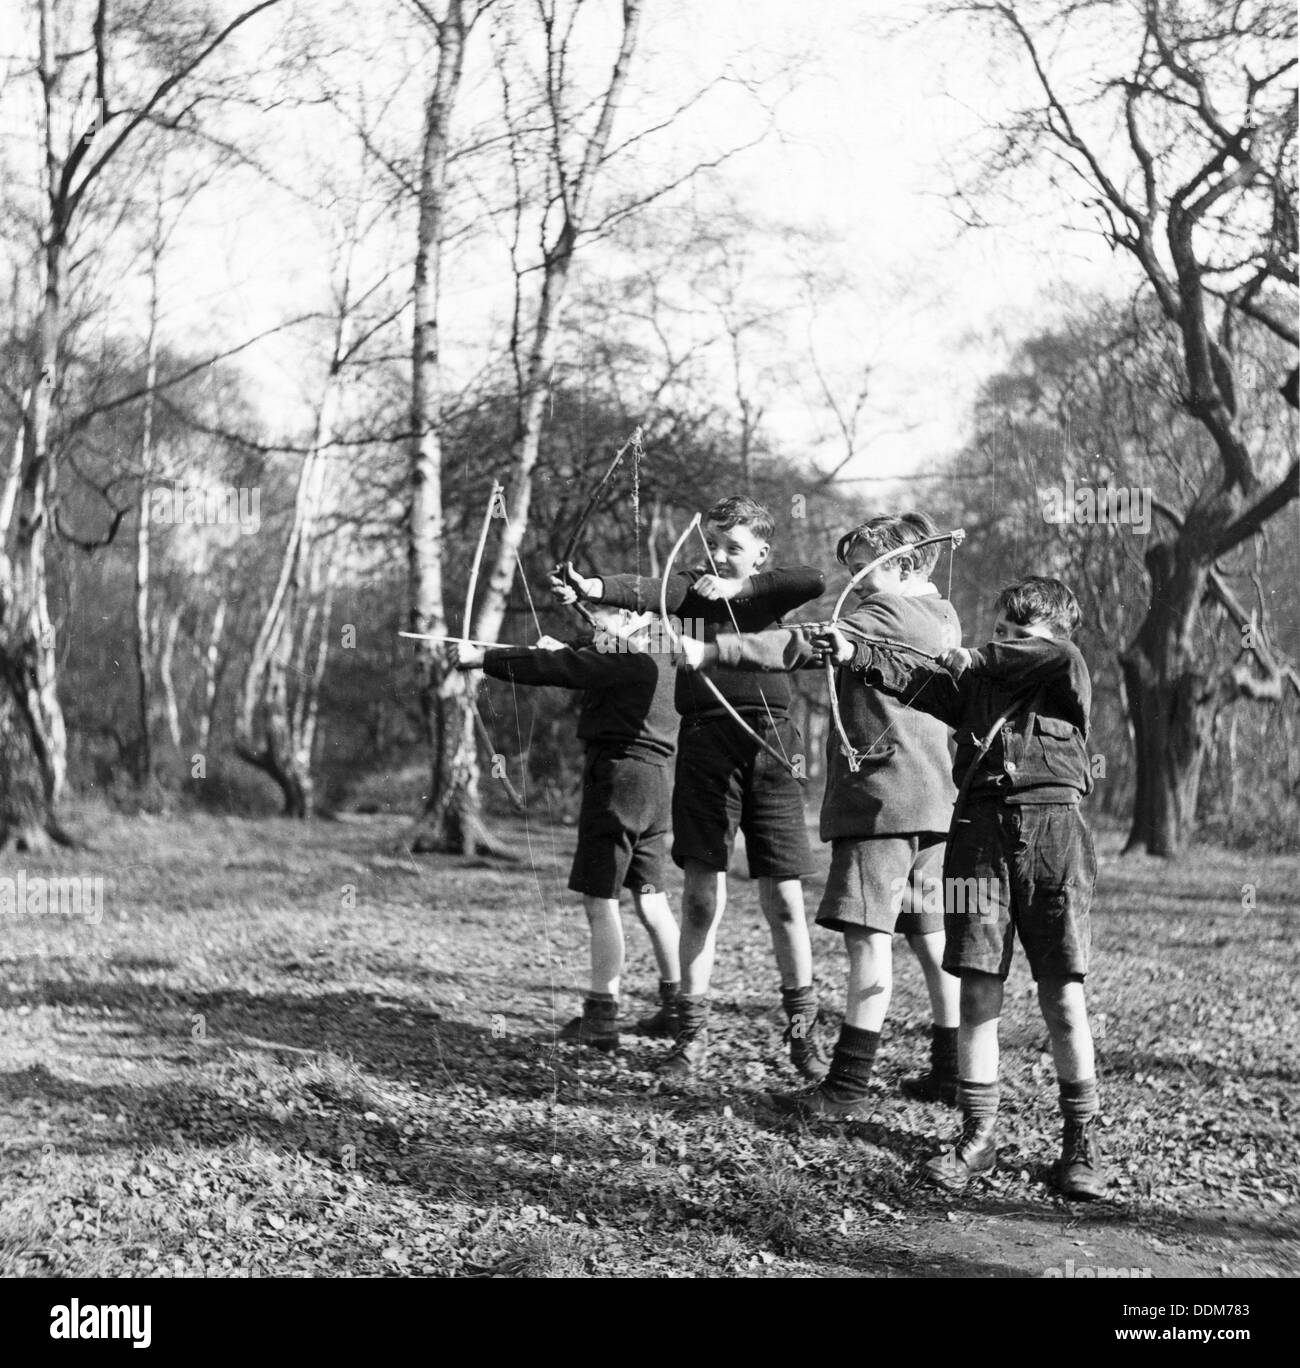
(34, 747)
(450, 817)
(166, 657)
(1169, 704)
(267, 738)
(211, 662)
(143, 637)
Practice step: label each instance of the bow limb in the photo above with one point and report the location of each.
(497, 491)
(580, 526)
(851, 753)
(676, 640)
(566, 556)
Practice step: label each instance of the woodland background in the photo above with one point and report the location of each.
(519, 231)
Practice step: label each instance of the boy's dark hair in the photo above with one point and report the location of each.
(739, 510)
(890, 530)
(1038, 599)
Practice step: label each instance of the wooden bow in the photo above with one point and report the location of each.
(498, 490)
(676, 640)
(566, 556)
(849, 751)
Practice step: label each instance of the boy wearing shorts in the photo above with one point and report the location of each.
(886, 822)
(1019, 860)
(627, 724)
(727, 780)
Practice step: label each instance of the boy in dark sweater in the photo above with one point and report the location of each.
(627, 724)
(886, 821)
(725, 779)
(1019, 861)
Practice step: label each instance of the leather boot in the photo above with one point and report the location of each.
(691, 1046)
(806, 1052)
(1080, 1172)
(664, 1024)
(975, 1152)
(844, 1093)
(597, 1027)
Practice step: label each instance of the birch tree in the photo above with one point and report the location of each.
(83, 143)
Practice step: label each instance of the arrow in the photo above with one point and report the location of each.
(467, 641)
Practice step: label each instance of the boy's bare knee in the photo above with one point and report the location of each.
(698, 912)
(1062, 1004)
(981, 995)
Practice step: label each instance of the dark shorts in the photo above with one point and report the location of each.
(1022, 871)
(885, 883)
(622, 827)
(725, 781)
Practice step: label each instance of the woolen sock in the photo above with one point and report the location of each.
(602, 997)
(943, 1052)
(692, 1013)
(1079, 1101)
(850, 1072)
(978, 1100)
(801, 1007)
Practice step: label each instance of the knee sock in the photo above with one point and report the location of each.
(978, 1101)
(692, 1014)
(1079, 1101)
(850, 1072)
(801, 1008)
(943, 1052)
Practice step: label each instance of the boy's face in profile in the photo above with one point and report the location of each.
(1016, 631)
(736, 551)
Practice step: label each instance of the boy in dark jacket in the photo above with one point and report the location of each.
(725, 779)
(1019, 859)
(628, 725)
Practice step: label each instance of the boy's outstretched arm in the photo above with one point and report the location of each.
(560, 665)
(1049, 661)
(918, 682)
(773, 652)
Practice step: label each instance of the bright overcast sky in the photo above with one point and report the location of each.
(881, 118)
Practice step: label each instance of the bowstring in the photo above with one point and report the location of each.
(731, 613)
(636, 501)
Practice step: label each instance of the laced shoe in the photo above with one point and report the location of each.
(975, 1153)
(596, 1028)
(1080, 1173)
(691, 1045)
(666, 1022)
(806, 1053)
(812, 1104)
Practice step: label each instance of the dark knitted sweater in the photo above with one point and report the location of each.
(627, 696)
(903, 785)
(772, 594)
(1038, 755)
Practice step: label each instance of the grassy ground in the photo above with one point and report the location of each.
(287, 1050)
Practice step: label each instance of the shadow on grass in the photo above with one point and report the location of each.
(1119, 1062)
(403, 1041)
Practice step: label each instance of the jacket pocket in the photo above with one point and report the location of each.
(1061, 748)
